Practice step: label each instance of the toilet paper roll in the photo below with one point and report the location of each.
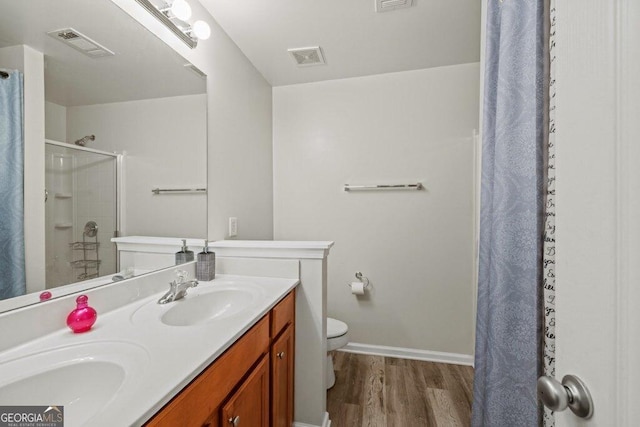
(357, 288)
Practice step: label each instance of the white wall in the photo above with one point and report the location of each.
(417, 248)
(239, 128)
(240, 148)
(31, 63)
(164, 140)
(55, 122)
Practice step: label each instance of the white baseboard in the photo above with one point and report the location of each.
(409, 353)
(326, 422)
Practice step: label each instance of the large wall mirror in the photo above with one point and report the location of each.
(124, 115)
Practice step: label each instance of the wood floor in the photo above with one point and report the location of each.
(376, 391)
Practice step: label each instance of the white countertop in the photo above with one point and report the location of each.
(168, 357)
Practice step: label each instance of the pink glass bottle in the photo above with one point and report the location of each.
(83, 317)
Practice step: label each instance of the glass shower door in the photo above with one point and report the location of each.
(81, 214)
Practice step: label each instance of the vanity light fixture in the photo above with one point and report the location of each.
(181, 9)
(201, 30)
(174, 16)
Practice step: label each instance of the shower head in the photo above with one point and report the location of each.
(83, 141)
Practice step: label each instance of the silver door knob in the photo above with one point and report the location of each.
(571, 393)
(235, 421)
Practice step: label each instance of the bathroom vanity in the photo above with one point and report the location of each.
(225, 350)
(250, 384)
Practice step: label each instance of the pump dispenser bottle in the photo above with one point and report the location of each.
(206, 265)
(184, 254)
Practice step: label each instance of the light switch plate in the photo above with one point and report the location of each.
(233, 226)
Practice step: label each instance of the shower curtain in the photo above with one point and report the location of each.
(12, 267)
(507, 357)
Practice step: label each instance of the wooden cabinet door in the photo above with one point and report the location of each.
(282, 360)
(249, 406)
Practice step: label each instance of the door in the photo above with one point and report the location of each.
(282, 364)
(598, 205)
(249, 405)
(81, 189)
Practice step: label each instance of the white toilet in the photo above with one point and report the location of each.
(337, 337)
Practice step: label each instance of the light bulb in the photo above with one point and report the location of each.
(181, 10)
(202, 30)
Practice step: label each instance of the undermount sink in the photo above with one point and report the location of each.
(203, 304)
(83, 378)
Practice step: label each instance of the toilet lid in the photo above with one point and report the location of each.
(336, 328)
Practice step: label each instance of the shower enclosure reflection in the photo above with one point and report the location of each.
(81, 213)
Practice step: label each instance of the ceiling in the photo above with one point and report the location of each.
(356, 40)
(143, 67)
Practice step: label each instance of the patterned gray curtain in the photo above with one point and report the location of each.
(12, 268)
(511, 226)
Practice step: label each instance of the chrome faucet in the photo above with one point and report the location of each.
(178, 288)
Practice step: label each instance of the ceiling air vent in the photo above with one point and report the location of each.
(307, 56)
(80, 42)
(387, 5)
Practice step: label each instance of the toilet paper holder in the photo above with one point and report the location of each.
(361, 278)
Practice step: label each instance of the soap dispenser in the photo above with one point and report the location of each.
(184, 254)
(206, 264)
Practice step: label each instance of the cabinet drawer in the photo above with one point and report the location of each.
(199, 400)
(283, 314)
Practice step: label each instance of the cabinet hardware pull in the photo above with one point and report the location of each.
(280, 355)
(235, 420)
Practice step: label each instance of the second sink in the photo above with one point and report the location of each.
(206, 303)
(214, 304)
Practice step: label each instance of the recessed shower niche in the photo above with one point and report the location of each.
(81, 189)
